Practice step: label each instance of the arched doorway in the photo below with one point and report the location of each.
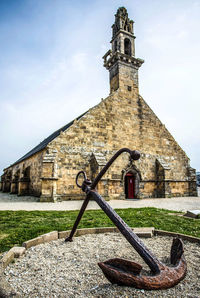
(130, 186)
(127, 46)
(7, 181)
(25, 182)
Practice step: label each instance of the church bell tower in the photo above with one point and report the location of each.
(120, 60)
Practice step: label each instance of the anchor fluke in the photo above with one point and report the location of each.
(127, 273)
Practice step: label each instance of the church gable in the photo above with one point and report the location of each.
(116, 122)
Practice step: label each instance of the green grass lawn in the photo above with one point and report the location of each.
(19, 226)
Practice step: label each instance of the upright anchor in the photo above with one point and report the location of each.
(127, 273)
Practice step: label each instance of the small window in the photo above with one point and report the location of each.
(129, 88)
(127, 46)
(115, 49)
(27, 172)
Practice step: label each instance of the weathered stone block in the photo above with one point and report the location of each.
(144, 232)
(33, 242)
(95, 231)
(192, 213)
(7, 259)
(63, 234)
(50, 236)
(18, 251)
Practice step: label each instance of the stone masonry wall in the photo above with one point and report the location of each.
(34, 185)
(121, 120)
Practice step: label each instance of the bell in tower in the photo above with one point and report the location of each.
(121, 61)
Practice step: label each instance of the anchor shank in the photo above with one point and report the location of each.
(127, 232)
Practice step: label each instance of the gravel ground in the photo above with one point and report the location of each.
(11, 198)
(13, 202)
(59, 269)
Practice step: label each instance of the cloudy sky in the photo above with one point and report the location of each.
(51, 67)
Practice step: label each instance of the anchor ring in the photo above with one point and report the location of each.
(84, 178)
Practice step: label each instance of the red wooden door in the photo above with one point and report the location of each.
(131, 186)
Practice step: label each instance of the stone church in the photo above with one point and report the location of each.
(123, 119)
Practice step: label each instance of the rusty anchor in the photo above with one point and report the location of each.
(124, 272)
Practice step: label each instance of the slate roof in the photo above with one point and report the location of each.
(46, 141)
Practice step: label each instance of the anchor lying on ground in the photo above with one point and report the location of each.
(123, 272)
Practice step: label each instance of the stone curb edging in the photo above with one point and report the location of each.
(141, 232)
(6, 290)
(172, 234)
(41, 239)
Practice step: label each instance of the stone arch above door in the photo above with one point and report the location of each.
(135, 178)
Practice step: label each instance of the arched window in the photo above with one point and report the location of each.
(127, 46)
(27, 173)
